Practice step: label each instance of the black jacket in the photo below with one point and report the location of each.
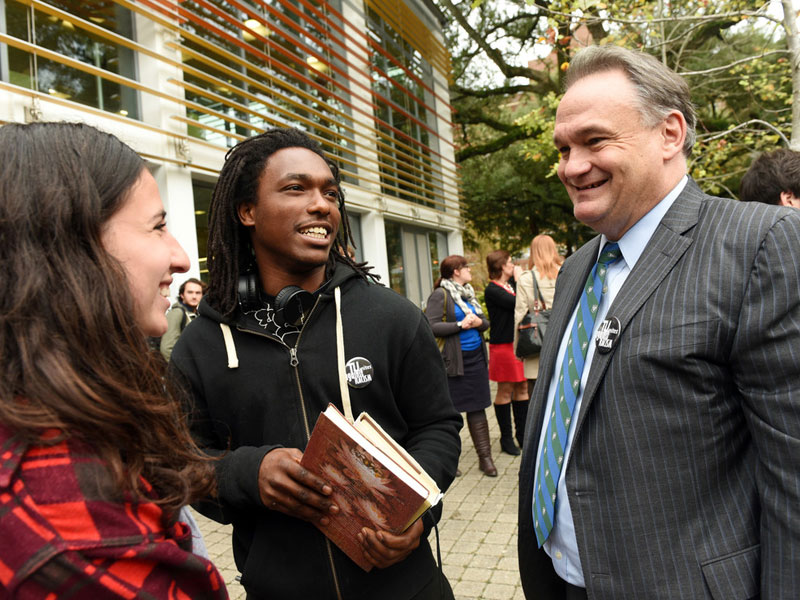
(500, 306)
(266, 402)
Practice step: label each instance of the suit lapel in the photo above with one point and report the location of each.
(662, 252)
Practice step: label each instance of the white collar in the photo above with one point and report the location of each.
(635, 240)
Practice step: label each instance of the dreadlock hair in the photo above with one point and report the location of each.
(230, 251)
(72, 354)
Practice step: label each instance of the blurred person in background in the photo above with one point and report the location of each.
(504, 367)
(543, 264)
(96, 462)
(182, 313)
(773, 178)
(457, 320)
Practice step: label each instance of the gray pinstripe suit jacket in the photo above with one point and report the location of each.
(684, 479)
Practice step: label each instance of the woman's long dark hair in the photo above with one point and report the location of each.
(229, 248)
(72, 355)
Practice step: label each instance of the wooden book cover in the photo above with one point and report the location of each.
(370, 488)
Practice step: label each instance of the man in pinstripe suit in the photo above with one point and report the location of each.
(681, 460)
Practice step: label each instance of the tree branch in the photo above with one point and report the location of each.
(523, 16)
(479, 118)
(493, 92)
(759, 14)
(518, 133)
(733, 64)
(509, 71)
(745, 124)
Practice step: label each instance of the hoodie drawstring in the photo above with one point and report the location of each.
(233, 359)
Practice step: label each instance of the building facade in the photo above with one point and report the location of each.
(182, 81)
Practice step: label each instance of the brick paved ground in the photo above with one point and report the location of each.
(478, 531)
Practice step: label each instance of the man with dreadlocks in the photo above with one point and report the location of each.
(260, 364)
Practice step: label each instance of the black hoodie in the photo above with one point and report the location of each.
(270, 400)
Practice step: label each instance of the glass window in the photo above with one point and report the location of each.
(400, 77)
(202, 190)
(394, 253)
(70, 40)
(414, 255)
(274, 63)
(355, 229)
(437, 242)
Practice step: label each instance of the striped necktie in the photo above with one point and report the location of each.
(569, 382)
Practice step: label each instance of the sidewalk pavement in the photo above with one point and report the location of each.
(478, 530)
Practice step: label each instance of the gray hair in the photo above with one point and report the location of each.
(659, 89)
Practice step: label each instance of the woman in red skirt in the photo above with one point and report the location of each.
(504, 368)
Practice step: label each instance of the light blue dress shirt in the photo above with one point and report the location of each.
(562, 545)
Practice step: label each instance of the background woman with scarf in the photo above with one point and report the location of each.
(457, 321)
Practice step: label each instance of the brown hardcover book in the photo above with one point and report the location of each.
(376, 483)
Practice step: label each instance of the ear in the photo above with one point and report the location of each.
(789, 199)
(673, 132)
(245, 211)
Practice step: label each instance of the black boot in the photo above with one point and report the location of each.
(503, 414)
(520, 410)
(479, 430)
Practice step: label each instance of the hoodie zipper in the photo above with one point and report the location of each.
(294, 362)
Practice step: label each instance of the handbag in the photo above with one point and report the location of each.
(531, 330)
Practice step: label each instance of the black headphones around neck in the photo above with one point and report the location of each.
(291, 303)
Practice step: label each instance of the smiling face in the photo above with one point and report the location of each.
(136, 235)
(615, 168)
(294, 220)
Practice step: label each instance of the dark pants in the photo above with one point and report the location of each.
(575, 593)
(437, 589)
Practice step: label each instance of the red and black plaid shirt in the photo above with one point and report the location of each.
(62, 537)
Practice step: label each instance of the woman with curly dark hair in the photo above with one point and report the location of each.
(95, 459)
